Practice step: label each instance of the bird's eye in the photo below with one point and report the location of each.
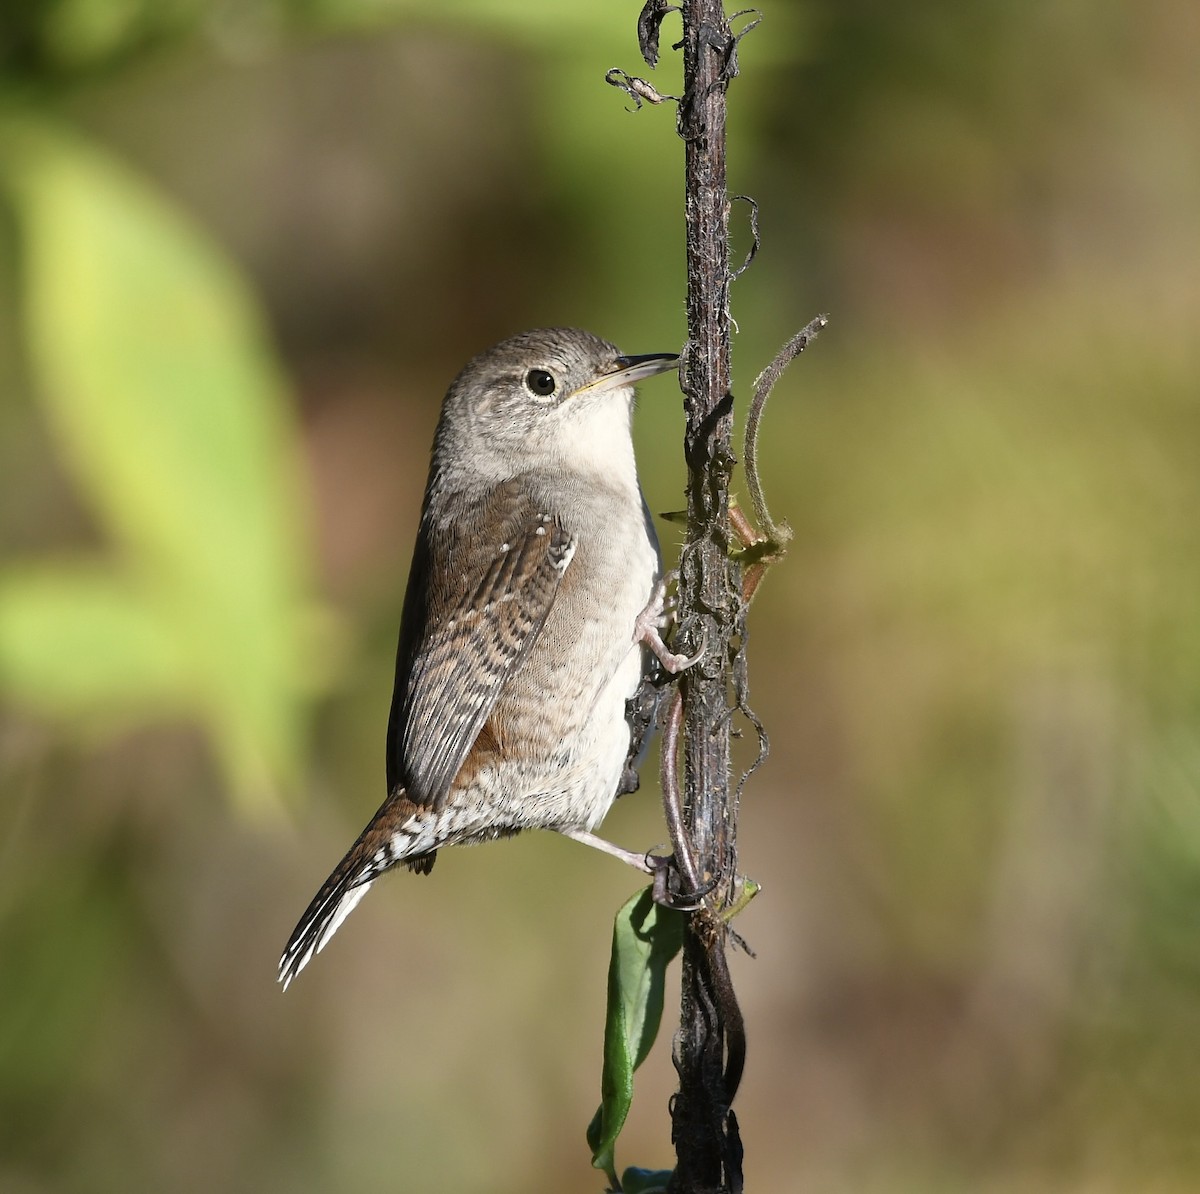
(540, 382)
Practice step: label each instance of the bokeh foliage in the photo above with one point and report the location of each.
(168, 407)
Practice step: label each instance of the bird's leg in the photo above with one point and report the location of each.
(661, 866)
(639, 861)
(651, 620)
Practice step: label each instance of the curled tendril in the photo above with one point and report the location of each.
(778, 533)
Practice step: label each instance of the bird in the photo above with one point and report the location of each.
(533, 612)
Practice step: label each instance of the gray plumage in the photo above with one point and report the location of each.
(532, 589)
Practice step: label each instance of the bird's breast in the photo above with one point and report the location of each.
(585, 663)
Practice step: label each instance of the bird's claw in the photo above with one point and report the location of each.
(653, 619)
(663, 868)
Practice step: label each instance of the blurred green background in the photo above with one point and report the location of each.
(243, 249)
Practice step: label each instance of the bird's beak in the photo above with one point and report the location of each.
(630, 370)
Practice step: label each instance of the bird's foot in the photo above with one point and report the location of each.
(668, 884)
(667, 877)
(652, 620)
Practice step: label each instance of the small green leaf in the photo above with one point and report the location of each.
(746, 891)
(645, 1181)
(645, 939)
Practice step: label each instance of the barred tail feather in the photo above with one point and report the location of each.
(333, 903)
(387, 841)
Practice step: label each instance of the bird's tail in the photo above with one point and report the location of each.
(373, 853)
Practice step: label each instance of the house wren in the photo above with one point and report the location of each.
(534, 597)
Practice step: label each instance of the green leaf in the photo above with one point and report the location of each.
(645, 1181)
(645, 939)
(167, 405)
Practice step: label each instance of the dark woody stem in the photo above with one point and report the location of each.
(710, 1044)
